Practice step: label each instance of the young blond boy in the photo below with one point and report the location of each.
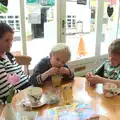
(109, 71)
(55, 64)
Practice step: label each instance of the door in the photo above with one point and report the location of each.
(79, 33)
(87, 31)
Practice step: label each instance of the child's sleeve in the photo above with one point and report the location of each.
(68, 77)
(40, 68)
(118, 74)
(100, 70)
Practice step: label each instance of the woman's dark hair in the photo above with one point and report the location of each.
(5, 28)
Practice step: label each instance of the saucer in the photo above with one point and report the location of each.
(43, 101)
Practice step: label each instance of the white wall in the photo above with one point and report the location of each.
(13, 7)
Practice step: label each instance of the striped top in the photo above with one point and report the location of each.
(9, 65)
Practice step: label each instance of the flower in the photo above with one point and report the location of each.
(13, 80)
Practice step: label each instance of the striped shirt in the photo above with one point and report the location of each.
(9, 65)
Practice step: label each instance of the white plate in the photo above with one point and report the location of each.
(29, 115)
(43, 101)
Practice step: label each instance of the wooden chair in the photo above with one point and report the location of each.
(25, 61)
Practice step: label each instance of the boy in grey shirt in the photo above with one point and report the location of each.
(53, 65)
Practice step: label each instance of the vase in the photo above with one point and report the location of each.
(10, 113)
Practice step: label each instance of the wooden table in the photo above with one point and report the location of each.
(109, 107)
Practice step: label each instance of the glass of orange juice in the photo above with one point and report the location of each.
(56, 80)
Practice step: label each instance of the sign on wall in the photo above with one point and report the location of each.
(32, 1)
(83, 2)
(47, 2)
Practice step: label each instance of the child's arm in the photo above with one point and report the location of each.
(42, 72)
(97, 79)
(106, 80)
(117, 81)
(99, 70)
(50, 72)
(66, 73)
(41, 68)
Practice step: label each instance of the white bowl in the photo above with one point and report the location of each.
(34, 95)
(106, 89)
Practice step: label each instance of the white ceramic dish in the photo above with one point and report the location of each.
(34, 94)
(110, 90)
(43, 101)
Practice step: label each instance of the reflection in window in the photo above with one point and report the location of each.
(10, 21)
(11, 25)
(2, 21)
(71, 21)
(17, 28)
(74, 16)
(17, 21)
(2, 17)
(17, 25)
(16, 16)
(68, 16)
(10, 17)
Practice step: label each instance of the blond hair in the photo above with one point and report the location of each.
(114, 47)
(61, 47)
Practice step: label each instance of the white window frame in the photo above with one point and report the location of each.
(91, 62)
(23, 25)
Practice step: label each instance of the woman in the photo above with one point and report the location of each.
(8, 64)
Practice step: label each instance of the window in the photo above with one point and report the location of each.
(109, 27)
(16, 16)
(17, 21)
(2, 17)
(10, 17)
(78, 30)
(10, 21)
(71, 21)
(41, 31)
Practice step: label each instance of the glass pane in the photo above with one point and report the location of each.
(40, 29)
(119, 29)
(80, 28)
(10, 18)
(109, 25)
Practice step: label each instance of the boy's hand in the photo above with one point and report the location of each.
(64, 70)
(53, 71)
(95, 79)
(89, 75)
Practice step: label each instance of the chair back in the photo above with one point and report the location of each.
(24, 61)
